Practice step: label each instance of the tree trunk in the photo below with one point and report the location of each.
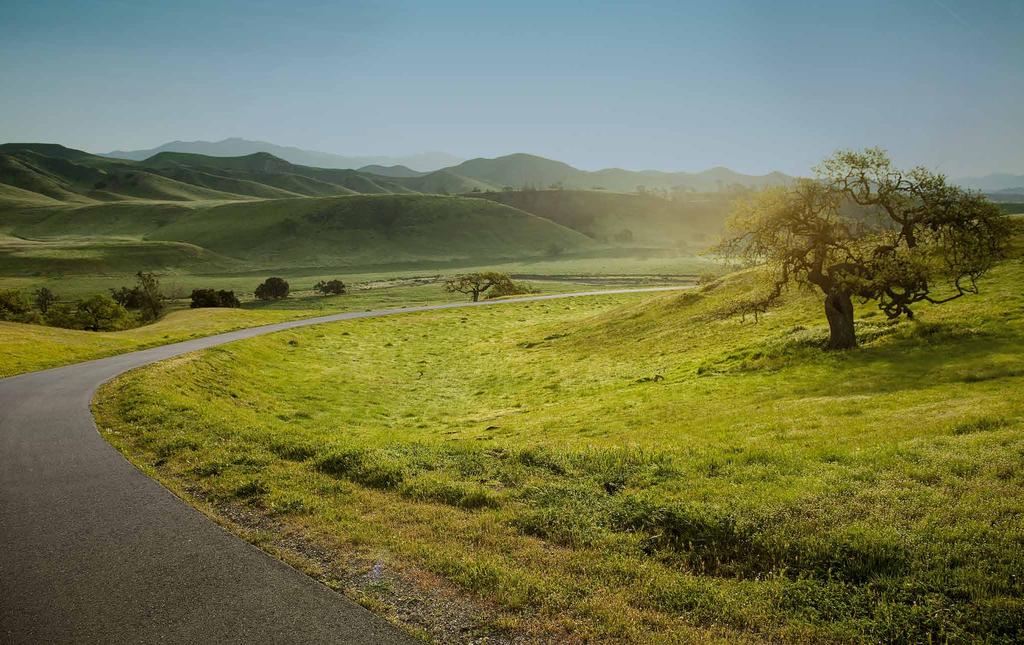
(839, 311)
(476, 296)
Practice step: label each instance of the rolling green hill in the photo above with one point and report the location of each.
(689, 222)
(66, 212)
(368, 229)
(627, 468)
(362, 230)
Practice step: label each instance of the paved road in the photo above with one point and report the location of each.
(93, 551)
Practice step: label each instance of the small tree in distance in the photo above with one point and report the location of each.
(866, 230)
(330, 287)
(145, 296)
(101, 313)
(475, 284)
(272, 289)
(43, 299)
(152, 297)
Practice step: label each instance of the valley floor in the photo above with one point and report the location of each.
(624, 467)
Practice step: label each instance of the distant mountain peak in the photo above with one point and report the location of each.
(240, 147)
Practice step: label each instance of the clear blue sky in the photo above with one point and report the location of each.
(753, 85)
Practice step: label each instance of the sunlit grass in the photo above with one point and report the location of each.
(633, 466)
(34, 347)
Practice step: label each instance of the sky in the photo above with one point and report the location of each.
(754, 85)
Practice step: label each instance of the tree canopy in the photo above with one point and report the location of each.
(474, 284)
(213, 298)
(272, 289)
(330, 287)
(865, 229)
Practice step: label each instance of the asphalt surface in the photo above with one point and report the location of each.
(93, 551)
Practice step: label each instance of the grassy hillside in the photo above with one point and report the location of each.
(79, 223)
(103, 256)
(626, 219)
(35, 347)
(365, 229)
(308, 232)
(627, 468)
(72, 175)
(530, 171)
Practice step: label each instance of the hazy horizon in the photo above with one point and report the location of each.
(665, 87)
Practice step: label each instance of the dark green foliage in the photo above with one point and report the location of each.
(63, 314)
(127, 297)
(43, 299)
(272, 289)
(101, 313)
(15, 307)
(330, 287)
(95, 313)
(145, 296)
(152, 299)
(213, 298)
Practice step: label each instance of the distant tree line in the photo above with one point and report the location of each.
(131, 305)
(98, 312)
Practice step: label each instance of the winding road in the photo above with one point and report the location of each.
(93, 551)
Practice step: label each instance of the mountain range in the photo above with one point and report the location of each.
(220, 213)
(515, 170)
(186, 211)
(237, 147)
(512, 170)
(66, 174)
(994, 183)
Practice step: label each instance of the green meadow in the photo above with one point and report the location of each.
(623, 467)
(34, 347)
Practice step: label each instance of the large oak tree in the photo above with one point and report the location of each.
(866, 230)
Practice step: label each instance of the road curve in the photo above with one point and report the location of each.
(93, 551)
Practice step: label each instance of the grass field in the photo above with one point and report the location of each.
(623, 467)
(35, 347)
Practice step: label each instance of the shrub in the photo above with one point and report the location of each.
(64, 315)
(272, 289)
(152, 297)
(15, 307)
(214, 298)
(101, 313)
(144, 296)
(127, 297)
(509, 288)
(43, 298)
(330, 287)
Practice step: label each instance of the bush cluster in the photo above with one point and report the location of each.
(95, 313)
(98, 312)
(272, 289)
(213, 298)
(330, 287)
